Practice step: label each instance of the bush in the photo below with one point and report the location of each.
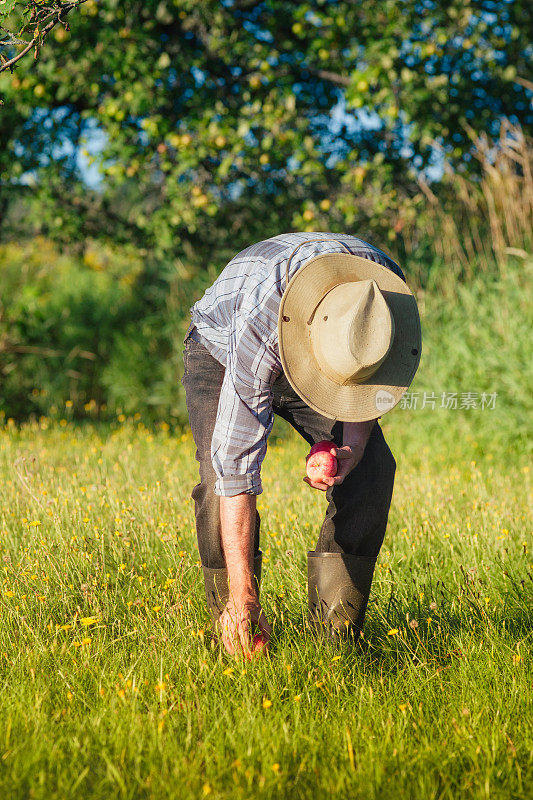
(90, 334)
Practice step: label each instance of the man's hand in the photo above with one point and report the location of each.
(348, 456)
(236, 623)
(355, 437)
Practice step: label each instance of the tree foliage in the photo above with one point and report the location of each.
(217, 122)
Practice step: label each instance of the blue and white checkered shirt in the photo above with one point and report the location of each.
(237, 319)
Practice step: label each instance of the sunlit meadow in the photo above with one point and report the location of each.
(112, 686)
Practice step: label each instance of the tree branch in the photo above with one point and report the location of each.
(50, 16)
(334, 77)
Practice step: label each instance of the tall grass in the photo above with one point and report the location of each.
(474, 224)
(475, 340)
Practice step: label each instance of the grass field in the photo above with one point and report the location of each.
(112, 687)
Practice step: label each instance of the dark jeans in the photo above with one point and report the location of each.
(358, 509)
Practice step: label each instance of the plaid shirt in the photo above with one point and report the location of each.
(237, 321)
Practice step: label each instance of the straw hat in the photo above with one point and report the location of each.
(349, 336)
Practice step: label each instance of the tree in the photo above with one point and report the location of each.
(228, 120)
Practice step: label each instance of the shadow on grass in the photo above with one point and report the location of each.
(391, 644)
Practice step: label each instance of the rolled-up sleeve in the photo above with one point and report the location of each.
(245, 416)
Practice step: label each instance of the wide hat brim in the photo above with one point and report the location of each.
(382, 390)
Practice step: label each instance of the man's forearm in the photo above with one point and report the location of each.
(237, 526)
(357, 433)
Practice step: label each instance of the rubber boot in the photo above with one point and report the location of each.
(217, 587)
(338, 592)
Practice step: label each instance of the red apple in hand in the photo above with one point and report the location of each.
(321, 463)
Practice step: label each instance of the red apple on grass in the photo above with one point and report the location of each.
(321, 462)
(259, 642)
